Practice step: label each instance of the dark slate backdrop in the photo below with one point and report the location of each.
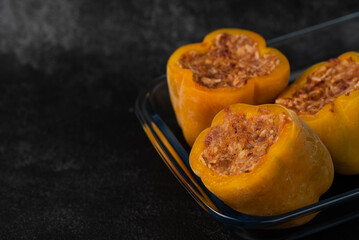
(74, 161)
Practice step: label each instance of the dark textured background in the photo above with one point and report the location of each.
(74, 161)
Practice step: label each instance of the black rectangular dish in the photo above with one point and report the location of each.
(302, 48)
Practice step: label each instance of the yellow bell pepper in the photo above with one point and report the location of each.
(296, 170)
(195, 105)
(337, 123)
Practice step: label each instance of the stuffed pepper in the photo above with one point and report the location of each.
(326, 97)
(262, 160)
(229, 66)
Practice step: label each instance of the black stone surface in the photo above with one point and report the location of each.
(74, 161)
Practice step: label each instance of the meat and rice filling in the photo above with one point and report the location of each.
(230, 62)
(323, 86)
(238, 144)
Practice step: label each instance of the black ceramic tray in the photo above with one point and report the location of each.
(302, 48)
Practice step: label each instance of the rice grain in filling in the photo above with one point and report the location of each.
(323, 86)
(238, 144)
(230, 62)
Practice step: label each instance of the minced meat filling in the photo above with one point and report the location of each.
(230, 62)
(238, 143)
(337, 77)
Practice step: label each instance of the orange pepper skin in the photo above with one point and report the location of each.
(195, 105)
(295, 172)
(337, 123)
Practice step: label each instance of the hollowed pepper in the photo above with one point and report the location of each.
(262, 160)
(195, 104)
(337, 122)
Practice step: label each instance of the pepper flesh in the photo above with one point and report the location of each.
(195, 105)
(295, 172)
(337, 123)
